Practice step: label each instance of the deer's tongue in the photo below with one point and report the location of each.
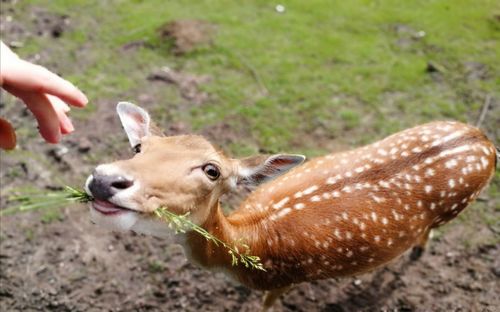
(106, 207)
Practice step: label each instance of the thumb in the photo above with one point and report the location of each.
(7, 135)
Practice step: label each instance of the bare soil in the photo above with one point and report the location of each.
(69, 264)
(187, 35)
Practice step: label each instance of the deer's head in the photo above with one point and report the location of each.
(185, 174)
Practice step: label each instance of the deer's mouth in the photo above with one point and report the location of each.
(108, 208)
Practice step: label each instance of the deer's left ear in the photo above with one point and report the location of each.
(135, 121)
(259, 169)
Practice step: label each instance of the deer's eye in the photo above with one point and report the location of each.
(137, 148)
(211, 171)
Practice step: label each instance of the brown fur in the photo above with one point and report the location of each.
(323, 240)
(337, 215)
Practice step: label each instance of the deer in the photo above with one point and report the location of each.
(339, 215)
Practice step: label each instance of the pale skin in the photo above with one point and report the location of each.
(46, 95)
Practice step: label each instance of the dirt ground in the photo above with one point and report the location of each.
(68, 264)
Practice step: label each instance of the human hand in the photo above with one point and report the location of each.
(45, 94)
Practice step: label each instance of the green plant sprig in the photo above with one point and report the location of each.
(35, 201)
(181, 224)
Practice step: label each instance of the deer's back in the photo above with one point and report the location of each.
(348, 212)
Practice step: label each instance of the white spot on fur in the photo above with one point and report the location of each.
(383, 184)
(451, 163)
(382, 152)
(485, 150)
(451, 183)
(455, 150)
(337, 234)
(283, 212)
(299, 206)
(298, 195)
(332, 180)
(485, 162)
(316, 198)
(310, 190)
(281, 203)
(348, 235)
(470, 159)
(429, 172)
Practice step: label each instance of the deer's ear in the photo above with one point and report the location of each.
(259, 169)
(135, 121)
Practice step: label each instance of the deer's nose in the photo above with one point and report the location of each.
(104, 187)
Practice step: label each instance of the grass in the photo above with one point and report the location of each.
(156, 266)
(353, 70)
(366, 51)
(239, 251)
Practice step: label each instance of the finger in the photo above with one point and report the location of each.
(58, 103)
(61, 108)
(7, 135)
(34, 78)
(45, 114)
(65, 124)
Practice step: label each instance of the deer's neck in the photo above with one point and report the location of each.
(210, 255)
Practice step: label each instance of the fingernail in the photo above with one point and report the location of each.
(51, 137)
(65, 124)
(84, 98)
(69, 126)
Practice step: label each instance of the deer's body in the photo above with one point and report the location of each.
(337, 215)
(349, 212)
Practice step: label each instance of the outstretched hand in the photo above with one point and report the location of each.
(45, 94)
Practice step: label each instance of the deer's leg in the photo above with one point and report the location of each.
(271, 295)
(419, 247)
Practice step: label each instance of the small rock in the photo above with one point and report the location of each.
(450, 254)
(58, 152)
(84, 145)
(496, 271)
(419, 34)
(280, 8)
(476, 286)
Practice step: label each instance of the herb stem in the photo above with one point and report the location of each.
(180, 223)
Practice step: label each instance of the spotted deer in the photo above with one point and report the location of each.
(338, 215)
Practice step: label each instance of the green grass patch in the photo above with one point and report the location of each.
(283, 73)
